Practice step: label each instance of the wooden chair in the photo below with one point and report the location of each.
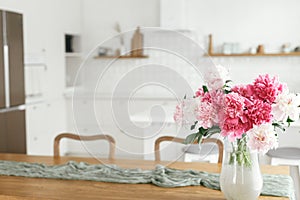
(110, 139)
(181, 140)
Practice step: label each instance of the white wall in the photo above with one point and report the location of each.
(100, 17)
(249, 23)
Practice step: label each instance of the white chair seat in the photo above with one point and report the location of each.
(288, 156)
(285, 153)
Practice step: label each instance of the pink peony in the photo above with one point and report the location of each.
(206, 114)
(234, 105)
(204, 96)
(199, 92)
(209, 106)
(258, 112)
(262, 138)
(267, 88)
(233, 128)
(217, 98)
(233, 121)
(178, 115)
(244, 90)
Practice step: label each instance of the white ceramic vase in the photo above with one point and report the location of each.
(240, 179)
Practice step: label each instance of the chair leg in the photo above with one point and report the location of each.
(294, 172)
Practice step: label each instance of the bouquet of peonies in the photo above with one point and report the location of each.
(246, 114)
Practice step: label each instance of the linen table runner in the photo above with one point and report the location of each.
(160, 176)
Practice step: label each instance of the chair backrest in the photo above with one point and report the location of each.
(181, 140)
(86, 138)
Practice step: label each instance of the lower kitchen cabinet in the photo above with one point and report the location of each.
(43, 122)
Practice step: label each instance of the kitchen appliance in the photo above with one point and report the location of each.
(12, 92)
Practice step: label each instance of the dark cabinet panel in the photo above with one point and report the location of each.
(13, 134)
(12, 91)
(14, 27)
(2, 90)
(3, 142)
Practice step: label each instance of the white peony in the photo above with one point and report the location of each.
(185, 113)
(286, 106)
(262, 138)
(216, 77)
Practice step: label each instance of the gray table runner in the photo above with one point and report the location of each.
(274, 185)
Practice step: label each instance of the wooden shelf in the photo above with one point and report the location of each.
(253, 55)
(121, 57)
(212, 54)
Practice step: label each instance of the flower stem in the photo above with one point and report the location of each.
(240, 153)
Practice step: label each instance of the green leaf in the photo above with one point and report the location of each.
(227, 91)
(228, 81)
(200, 139)
(194, 125)
(204, 88)
(289, 120)
(184, 96)
(203, 131)
(213, 130)
(190, 138)
(277, 125)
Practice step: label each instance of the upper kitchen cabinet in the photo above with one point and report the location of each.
(2, 87)
(12, 90)
(12, 60)
(14, 28)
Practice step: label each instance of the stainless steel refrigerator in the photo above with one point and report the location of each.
(12, 92)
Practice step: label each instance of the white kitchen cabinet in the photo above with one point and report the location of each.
(157, 126)
(36, 130)
(80, 121)
(43, 122)
(132, 141)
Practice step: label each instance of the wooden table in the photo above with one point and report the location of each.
(38, 188)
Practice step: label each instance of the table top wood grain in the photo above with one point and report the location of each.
(39, 188)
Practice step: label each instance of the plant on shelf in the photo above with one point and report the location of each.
(122, 50)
